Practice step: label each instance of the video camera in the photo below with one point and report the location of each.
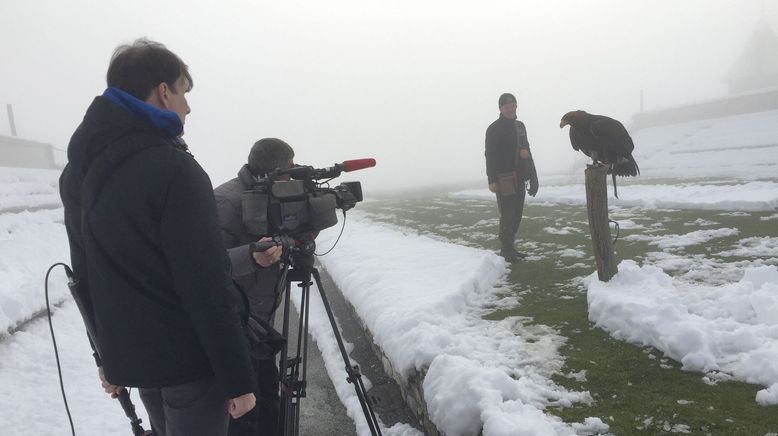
(295, 201)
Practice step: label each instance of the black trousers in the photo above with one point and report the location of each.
(511, 208)
(198, 408)
(263, 419)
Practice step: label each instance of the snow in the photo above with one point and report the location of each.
(716, 147)
(673, 241)
(739, 196)
(24, 187)
(731, 328)
(756, 246)
(424, 298)
(30, 241)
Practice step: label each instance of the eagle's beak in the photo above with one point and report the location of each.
(563, 123)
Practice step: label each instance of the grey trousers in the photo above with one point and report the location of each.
(198, 408)
(511, 209)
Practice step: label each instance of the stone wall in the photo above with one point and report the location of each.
(761, 101)
(411, 389)
(23, 153)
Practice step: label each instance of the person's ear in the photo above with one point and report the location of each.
(155, 97)
(162, 92)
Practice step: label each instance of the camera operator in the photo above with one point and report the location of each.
(151, 272)
(257, 274)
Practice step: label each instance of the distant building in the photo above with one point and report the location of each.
(752, 83)
(23, 153)
(757, 68)
(732, 136)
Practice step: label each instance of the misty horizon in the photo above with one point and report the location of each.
(412, 85)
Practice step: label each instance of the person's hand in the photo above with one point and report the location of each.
(523, 153)
(241, 405)
(493, 187)
(107, 386)
(269, 256)
(533, 188)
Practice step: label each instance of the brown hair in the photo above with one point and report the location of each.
(140, 67)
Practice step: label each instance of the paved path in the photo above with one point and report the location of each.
(322, 413)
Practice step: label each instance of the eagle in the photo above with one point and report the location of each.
(603, 139)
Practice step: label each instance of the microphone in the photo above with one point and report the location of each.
(345, 166)
(357, 164)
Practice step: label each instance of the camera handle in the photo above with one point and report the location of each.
(293, 371)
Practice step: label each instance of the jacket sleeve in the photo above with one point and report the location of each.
(533, 178)
(526, 167)
(230, 223)
(69, 193)
(199, 267)
(491, 153)
(523, 142)
(532, 174)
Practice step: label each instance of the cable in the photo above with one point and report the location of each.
(336, 241)
(616, 224)
(54, 341)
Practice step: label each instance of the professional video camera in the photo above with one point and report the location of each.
(291, 206)
(295, 201)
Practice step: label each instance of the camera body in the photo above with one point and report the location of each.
(274, 206)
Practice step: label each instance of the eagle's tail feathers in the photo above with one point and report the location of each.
(626, 166)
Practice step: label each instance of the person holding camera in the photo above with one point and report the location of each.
(152, 274)
(509, 165)
(258, 274)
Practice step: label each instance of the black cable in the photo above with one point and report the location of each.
(616, 224)
(54, 341)
(336, 241)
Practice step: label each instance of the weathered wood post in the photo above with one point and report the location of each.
(597, 209)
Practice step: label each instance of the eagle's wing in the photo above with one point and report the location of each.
(575, 139)
(612, 135)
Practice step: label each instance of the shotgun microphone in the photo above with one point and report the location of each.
(301, 172)
(357, 164)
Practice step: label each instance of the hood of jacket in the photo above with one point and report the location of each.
(116, 115)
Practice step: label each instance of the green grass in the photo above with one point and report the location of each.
(636, 390)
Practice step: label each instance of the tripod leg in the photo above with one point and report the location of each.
(286, 408)
(296, 381)
(354, 375)
(305, 300)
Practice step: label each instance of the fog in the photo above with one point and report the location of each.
(413, 84)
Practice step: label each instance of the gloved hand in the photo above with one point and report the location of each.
(533, 188)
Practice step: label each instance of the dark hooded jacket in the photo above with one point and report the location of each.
(148, 257)
(504, 137)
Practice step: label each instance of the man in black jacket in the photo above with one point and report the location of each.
(509, 166)
(146, 251)
(257, 274)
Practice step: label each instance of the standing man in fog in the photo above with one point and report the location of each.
(145, 247)
(257, 274)
(509, 166)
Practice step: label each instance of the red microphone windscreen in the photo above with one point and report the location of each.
(357, 164)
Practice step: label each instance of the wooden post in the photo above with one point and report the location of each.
(597, 209)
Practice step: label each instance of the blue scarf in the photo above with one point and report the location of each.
(163, 119)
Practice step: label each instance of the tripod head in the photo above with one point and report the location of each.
(297, 253)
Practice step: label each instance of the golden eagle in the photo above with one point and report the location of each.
(603, 139)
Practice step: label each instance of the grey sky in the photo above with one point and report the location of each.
(413, 84)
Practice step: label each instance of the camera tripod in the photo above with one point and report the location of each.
(298, 267)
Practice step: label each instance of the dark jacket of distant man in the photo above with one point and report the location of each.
(505, 137)
(145, 246)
